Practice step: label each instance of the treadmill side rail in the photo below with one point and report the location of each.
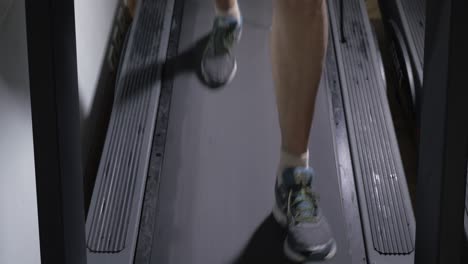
(114, 215)
(387, 215)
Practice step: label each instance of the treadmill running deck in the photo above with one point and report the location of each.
(216, 191)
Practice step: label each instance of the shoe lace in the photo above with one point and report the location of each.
(303, 204)
(223, 38)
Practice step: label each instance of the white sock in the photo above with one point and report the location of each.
(288, 160)
(232, 12)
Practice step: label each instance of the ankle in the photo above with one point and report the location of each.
(290, 160)
(233, 12)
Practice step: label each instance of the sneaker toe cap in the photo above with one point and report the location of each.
(218, 70)
(311, 238)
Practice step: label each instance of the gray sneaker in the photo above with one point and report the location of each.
(218, 65)
(309, 235)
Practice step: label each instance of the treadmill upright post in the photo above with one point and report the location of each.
(55, 117)
(443, 141)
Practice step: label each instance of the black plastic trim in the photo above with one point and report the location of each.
(56, 134)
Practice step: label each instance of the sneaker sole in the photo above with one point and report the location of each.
(282, 220)
(231, 76)
(297, 257)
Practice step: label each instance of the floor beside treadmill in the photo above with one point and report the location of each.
(222, 149)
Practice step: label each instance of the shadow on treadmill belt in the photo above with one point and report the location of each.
(265, 245)
(186, 61)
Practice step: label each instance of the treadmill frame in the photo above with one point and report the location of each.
(54, 105)
(56, 134)
(444, 136)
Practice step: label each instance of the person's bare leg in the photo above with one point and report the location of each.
(132, 7)
(225, 5)
(299, 41)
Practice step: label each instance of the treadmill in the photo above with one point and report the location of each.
(405, 22)
(187, 172)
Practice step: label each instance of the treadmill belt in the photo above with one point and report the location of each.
(221, 153)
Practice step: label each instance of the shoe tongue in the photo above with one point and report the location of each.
(224, 30)
(299, 176)
(306, 211)
(304, 207)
